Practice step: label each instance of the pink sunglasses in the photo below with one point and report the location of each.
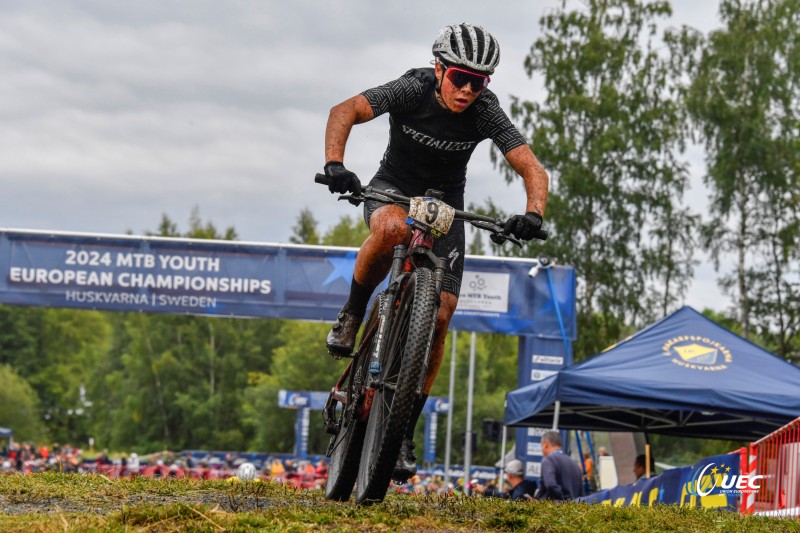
(460, 77)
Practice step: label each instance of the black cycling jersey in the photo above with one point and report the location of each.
(430, 146)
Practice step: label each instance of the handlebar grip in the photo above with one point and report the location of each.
(541, 234)
(321, 178)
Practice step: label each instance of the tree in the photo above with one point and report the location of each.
(610, 131)
(744, 100)
(56, 352)
(197, 228)
(301, 362)
(71, 345)
(495, 375)
(19, 406)
(178, 381)
(347, 232)
(305, 231)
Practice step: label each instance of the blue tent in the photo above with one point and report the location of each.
(684, 375)
(6, 433)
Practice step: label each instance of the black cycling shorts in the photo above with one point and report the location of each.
(450, 247)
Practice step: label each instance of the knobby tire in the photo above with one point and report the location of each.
(347, 444)
(402, 367)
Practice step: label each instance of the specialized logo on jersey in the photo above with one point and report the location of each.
(697, 353)
(440, 144)
(452, 256)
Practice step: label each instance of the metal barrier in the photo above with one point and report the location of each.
(776, 458)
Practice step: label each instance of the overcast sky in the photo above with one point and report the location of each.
(113, 113)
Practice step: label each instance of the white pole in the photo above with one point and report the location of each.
(503, 461)
(470, 393)
(450, 402)
(556, 414)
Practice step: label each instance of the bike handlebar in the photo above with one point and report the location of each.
(490, 224)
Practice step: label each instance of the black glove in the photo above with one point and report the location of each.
(341, 180)
(525, 226)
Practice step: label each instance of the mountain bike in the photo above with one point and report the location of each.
(370, 406)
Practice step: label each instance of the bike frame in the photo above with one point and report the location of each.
(404, 262)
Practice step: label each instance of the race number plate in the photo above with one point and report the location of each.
(432, 214)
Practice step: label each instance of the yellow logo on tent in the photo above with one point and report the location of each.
(697, 353)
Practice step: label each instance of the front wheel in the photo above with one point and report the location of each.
(345, 447)
(400, 386)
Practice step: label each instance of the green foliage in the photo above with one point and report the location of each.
(680, 451)
(610, 131)
(744, 100)
(305, 231)
(347, 232)
(19, 328)
(179, 382)
(301, 362)
(197, 229)
(19, 406)
(55, 350)
(495, 375)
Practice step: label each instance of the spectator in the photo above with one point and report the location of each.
(103, 459)
(639, 468)
(43, 451)
(602, 451)
(189, 461)
(490, 489)
(133, 464)
(520, 488)
(276, 471)
(322, 468)
(561, 476)
(589, 478)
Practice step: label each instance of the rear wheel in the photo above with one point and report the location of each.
(402, 379)
(345, 447)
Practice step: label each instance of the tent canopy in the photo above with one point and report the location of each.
(6, 433)
(684, 375)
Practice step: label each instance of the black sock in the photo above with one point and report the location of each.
(417, 410)
(358, 300)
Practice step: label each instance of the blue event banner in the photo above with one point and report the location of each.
(229, 278)
(711, 483)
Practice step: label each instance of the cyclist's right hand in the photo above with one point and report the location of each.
(341, 180)
(524, 227)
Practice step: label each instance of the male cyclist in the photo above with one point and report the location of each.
(437, 116)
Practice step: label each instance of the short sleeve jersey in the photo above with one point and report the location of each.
(430, 146)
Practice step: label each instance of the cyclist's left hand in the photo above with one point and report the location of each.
(523, 226)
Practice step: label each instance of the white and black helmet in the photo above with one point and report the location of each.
(468, 46)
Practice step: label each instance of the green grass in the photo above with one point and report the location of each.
(61, 502)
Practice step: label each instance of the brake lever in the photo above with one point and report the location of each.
(501, 238)
(516, 241)
(352, 198)
(497, 235)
